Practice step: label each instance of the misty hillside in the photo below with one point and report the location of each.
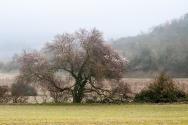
(164, 48)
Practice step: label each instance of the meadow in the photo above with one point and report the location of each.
(94, 114)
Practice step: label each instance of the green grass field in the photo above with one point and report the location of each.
(128, 114)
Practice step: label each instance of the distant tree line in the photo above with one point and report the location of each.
(10, 66)
(164, 48)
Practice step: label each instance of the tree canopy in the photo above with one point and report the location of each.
(83, 55)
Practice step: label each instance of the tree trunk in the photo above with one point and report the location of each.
(78, 92)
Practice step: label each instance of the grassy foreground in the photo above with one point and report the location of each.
(130, 114)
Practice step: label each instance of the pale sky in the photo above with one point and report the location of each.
(30, 23)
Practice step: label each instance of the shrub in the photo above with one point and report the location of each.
(115, 91)
(120, 92)
(163, 89)
(21, 91)
(4, 94)
(3, 91)
(60, 97)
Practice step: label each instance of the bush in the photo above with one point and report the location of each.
(108, 91)
(163, 89)
(21, 91)
(121, 92)
(4, 94)
(3, 91)
(60, 97)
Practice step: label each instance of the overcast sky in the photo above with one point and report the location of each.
(30, 23)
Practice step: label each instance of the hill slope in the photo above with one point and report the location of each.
(164, 48)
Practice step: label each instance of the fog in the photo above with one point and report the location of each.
(29, 24)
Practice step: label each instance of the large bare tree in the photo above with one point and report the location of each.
(83, 55)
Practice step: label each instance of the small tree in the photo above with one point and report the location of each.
(4, 94)
(163, 89)
(3, 91)
(20, 91)
(59, 97)
(121, 92)
(83, 55)
(118, 91)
